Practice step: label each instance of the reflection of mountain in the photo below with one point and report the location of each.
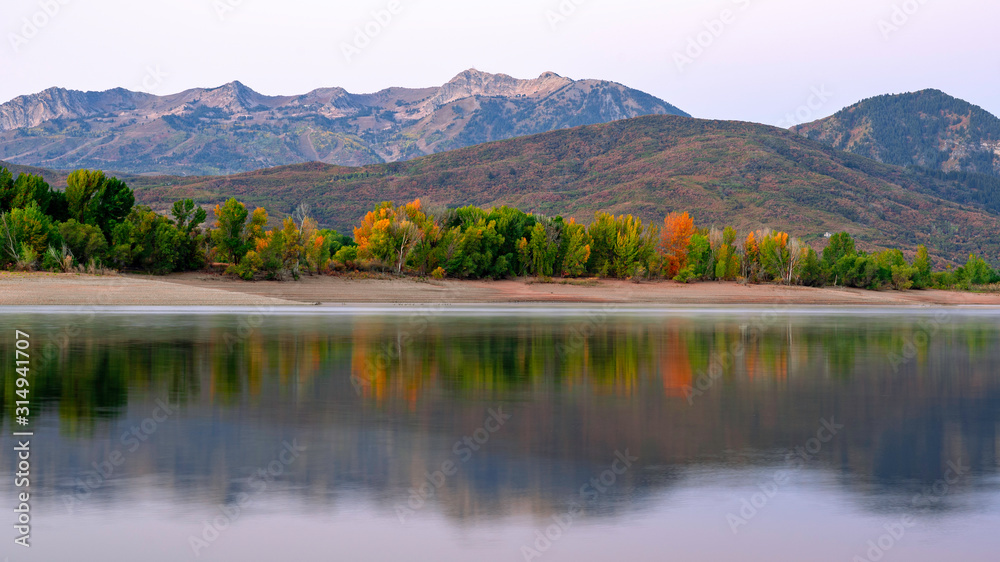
(578, 390)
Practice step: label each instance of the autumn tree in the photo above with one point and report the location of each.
(279, 252)
(751, 258)
(389, 234)
(775, 255)
(674, 241)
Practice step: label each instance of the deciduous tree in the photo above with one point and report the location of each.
(677, 231)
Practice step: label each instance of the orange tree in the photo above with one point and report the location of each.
(677, 232)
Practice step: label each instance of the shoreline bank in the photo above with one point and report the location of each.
(201, 289)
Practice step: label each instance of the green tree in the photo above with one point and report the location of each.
(31, 228)
(82, 186)
(29, 188)
(576, 250)
(189, 219)
(113, 202)
(922, 269)
(603, 233)
(841, 245)
(539, 252)
(978, 272)
(93, 198)
(699, 260)
(810, 270)
(6, 189)
(230, 232)
(85, 241)
(148, 241)
(474, 252)
(187, 216)
(235, 234)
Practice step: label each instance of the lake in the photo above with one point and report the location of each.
(506, 434)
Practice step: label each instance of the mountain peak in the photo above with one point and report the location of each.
(927, 128)
(234, 97)
(235, 85)
(471, 73)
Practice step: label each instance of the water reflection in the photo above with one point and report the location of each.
(381, 402)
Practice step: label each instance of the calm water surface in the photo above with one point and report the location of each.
(508, 434)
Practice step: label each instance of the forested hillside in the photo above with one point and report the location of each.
(929, 129)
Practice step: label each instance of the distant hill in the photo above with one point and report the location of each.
(928, 128)
(55, 178)
(724, 173)
(233, 128)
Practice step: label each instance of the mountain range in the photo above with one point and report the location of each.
(233, 129)
(894, 171)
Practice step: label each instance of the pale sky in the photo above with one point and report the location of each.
(760, 64)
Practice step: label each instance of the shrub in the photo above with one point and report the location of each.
(347, 256)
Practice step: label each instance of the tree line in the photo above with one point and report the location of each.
(474, 243)
(96, 224)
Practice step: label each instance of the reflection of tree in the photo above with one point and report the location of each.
(675, 364)
(582, 388)
(403, 359)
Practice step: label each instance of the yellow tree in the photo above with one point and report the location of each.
(577, 249)
(389, 234)
(313, 243)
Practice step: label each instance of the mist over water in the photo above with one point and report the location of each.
(478, 433)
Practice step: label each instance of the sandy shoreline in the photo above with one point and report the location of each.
(201, 289)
